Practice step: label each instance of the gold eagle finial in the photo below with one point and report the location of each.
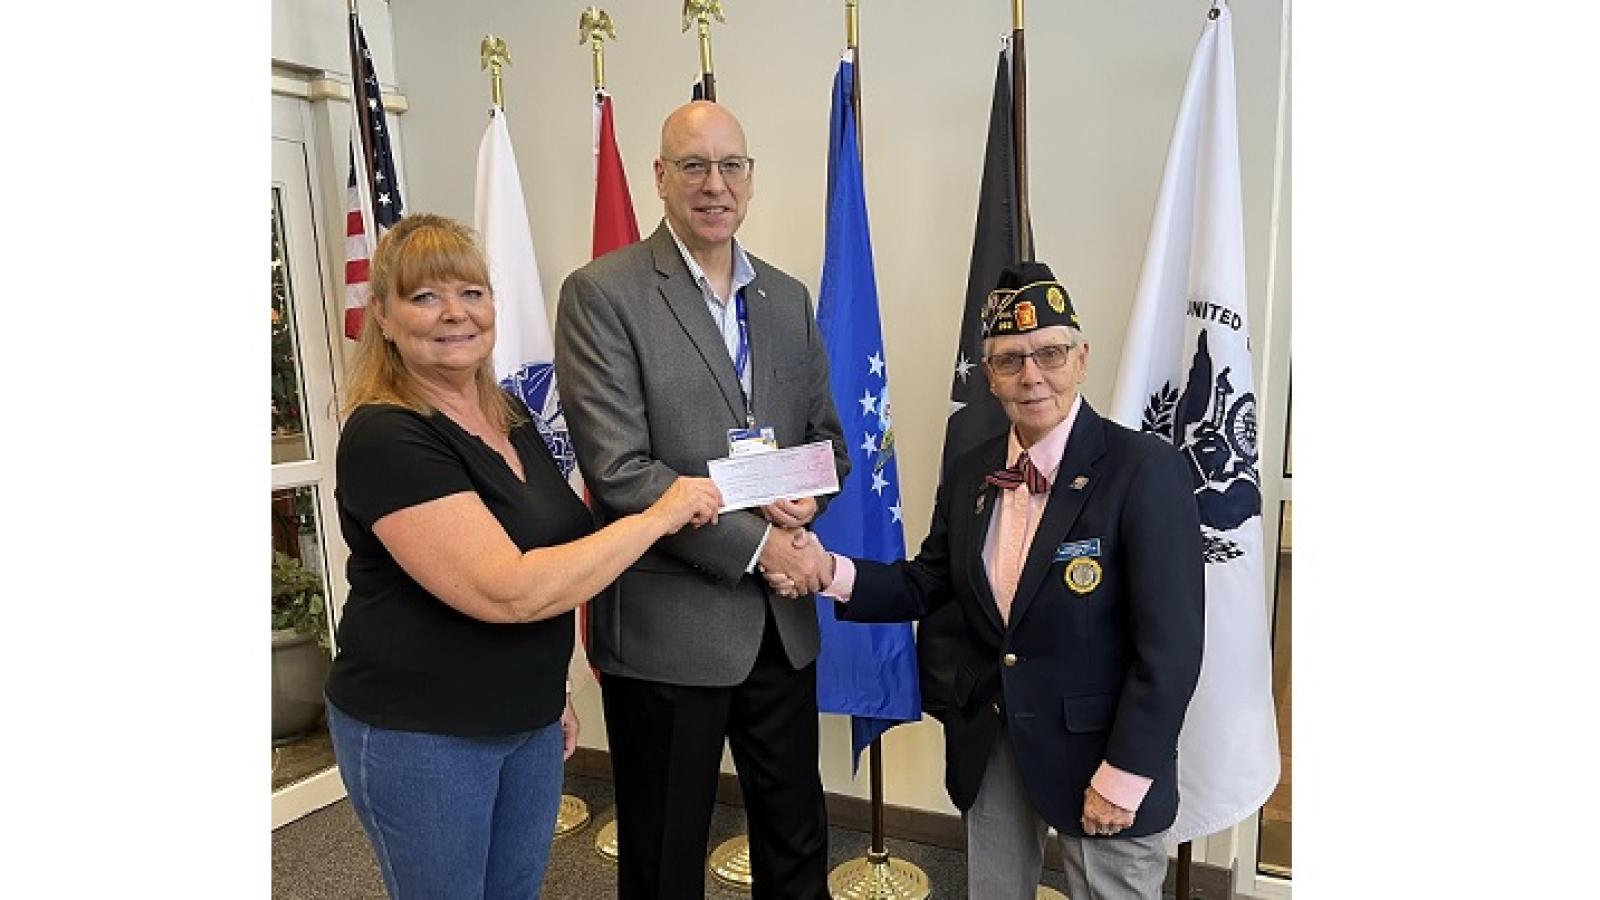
(698, 10)
(494, 53)
(593, 24)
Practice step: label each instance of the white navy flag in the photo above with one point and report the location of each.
(1186, 375)
(524, 356)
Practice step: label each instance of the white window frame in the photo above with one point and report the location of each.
(295, 160)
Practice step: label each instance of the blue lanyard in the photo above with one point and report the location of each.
(741, 359)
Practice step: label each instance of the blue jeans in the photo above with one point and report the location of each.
(453, 818)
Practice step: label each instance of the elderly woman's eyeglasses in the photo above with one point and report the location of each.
(1048, 357)
(734, 169)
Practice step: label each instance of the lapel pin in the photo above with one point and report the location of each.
(1079, 482)
(978, 510)
(1082, 574)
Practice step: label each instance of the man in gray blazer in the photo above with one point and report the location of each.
(666, 351)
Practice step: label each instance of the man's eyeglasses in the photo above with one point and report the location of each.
(1048, 357)
(734, 169)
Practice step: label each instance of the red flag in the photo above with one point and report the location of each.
(614, 223)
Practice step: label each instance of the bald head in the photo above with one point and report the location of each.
(690, 120)
(702, 205)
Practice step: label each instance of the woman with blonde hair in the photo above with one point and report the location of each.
(468, 553)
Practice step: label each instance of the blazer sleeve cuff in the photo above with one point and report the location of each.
(760, 546)
(844, 578)
(1125, 789)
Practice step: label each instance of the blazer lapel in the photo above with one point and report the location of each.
(688, 304)
(1085, 445)
(980, 506)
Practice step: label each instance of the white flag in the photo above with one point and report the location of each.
(1186, 375)
(524, 355)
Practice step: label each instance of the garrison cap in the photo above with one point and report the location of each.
(1027, 298)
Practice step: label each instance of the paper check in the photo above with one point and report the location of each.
(757, 479)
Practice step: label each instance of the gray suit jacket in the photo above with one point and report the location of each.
(649, 393)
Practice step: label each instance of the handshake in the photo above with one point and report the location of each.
(793, 561)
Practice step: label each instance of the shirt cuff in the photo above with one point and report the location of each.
(844, 578)
(756, 557)
(1125, 789)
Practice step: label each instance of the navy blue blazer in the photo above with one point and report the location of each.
(1103, 671)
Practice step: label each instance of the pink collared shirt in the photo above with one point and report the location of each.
(1018, 513)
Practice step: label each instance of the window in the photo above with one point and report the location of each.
(307, 553)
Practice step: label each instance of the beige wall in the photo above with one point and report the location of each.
(1104, 83)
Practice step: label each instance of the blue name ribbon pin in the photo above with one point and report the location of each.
(1076, 549)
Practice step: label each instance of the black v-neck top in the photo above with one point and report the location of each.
(407, 660)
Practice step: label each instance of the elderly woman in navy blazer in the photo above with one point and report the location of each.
(1072, 547)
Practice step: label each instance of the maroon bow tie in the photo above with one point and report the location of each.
(1021, 473)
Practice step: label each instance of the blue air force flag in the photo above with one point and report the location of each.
(1185, 375)
(523, 352)
(866, 671)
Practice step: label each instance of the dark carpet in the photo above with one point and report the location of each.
(326, 856)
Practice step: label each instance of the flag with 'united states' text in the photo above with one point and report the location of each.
(1186, 376)
(868, 671)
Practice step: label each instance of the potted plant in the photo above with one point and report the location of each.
(300, 647)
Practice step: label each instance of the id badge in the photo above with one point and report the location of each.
(745, 441)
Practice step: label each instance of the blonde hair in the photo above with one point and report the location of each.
(420, 247)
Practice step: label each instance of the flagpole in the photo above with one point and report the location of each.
(699, 13)
(1019, 129)
(1186, 848)
(729, 862)
(361, 100)
(1223, 269)
(494, 55)
(875, 876)
(594, 27)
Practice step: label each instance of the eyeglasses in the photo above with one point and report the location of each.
(1048, 357)
(734, 169)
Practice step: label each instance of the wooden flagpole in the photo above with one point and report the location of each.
(1019, 129)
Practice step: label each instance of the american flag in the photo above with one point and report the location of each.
(365, 200)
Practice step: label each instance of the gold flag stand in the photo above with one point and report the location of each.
(571, 815)
(605, 843)
(730, 863)
(877, 876)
